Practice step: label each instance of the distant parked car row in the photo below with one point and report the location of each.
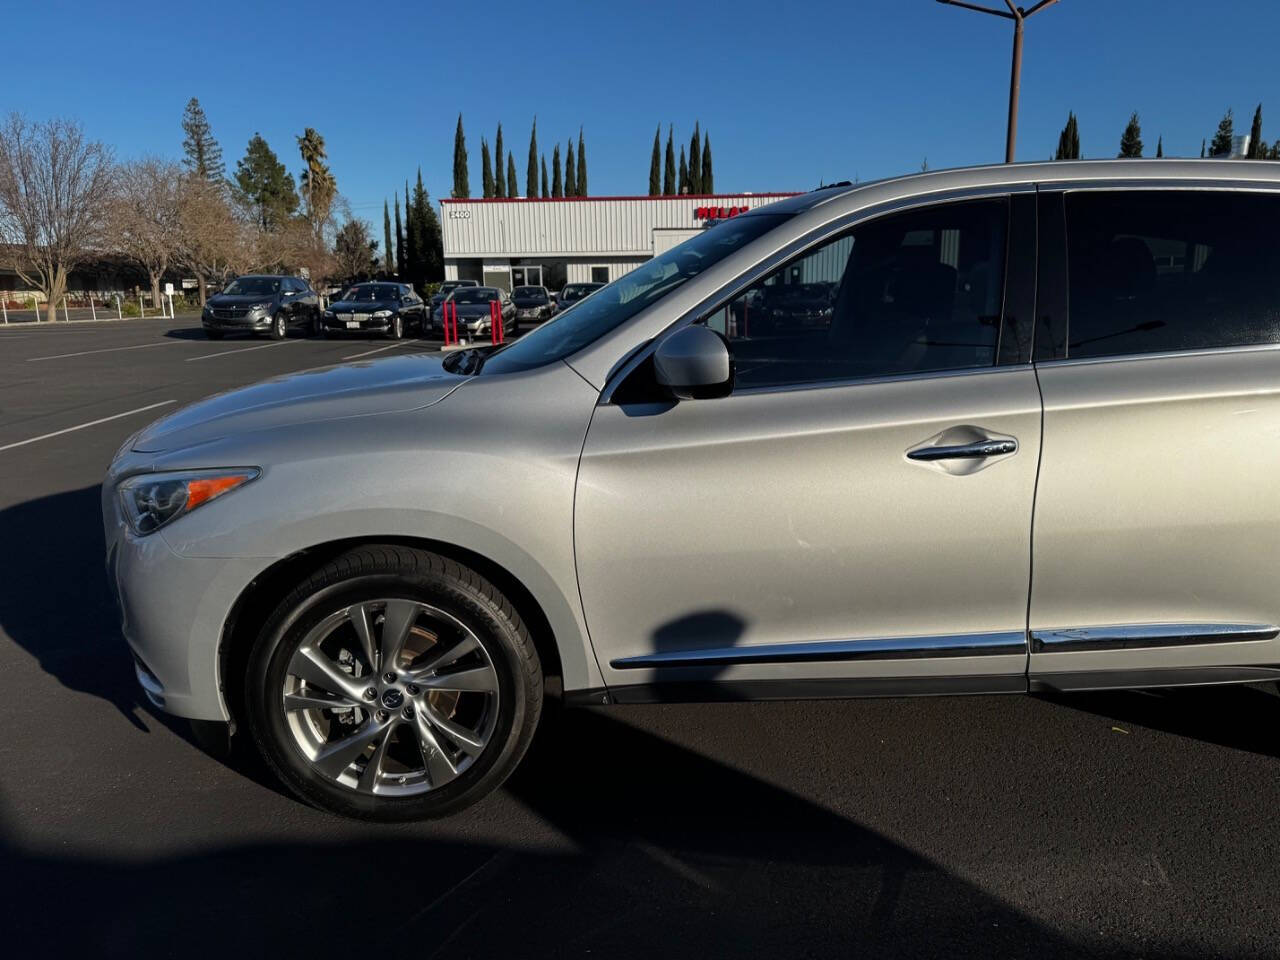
(276, 304)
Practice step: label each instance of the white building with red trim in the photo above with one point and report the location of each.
(511, 242)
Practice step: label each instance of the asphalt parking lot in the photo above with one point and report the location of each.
(1134, 824)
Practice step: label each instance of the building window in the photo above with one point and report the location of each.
(599, 274)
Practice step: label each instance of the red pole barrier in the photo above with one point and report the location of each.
(444, 321)
(450, 322)
(495, 321)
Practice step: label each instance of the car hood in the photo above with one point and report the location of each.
(473, 309)
(388, 385)
(363, 306)
(525, 304)
(239, 300)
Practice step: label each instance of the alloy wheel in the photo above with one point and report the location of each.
(391, 697)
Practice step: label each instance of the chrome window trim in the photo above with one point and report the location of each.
(1161, 355)
(1138, 635)
(831, 651)
(814, 238)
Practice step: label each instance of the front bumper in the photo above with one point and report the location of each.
(252, 324)
(172, 613)
(380, 325)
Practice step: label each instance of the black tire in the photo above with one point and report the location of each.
(213, 334)
(395, 329)
(372, 572)
(279, 327)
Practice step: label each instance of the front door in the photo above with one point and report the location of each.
(857, 511)
(1157, 521)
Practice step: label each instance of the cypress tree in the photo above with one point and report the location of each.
(531, 172)
(203, 155)
(1131, 140)
(411, 236)
(546, 190)
(1069, 140)
(582, 165)
(570, 172)
(557, 185)
(1202, 149)
(695, 161)
(669, 167)
(1159, 147)
(655, 164)
(1257, 149)
(389, 258)
(399, 241)
(1221, 145)
(461, 178)
(708, 178)
(499, 178)
(513, 188)
(684, 174)
(429, 243)
(486, 168)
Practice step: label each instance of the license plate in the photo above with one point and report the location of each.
(353, 324)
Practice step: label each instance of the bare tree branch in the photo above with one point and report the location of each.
(974, 6)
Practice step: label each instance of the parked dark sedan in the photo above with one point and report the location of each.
(533, 304)
(447, 288)
(261, 304)
(473, 312)
(386, 308)
(573, 292)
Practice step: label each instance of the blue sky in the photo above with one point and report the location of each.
(792, 94)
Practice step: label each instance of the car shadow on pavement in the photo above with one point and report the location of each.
(665, 853)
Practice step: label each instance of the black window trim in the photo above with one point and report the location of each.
(804, 245)
(1145, 186)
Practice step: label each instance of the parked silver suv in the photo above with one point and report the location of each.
(1027, 443)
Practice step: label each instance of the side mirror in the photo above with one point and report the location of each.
(694, 363)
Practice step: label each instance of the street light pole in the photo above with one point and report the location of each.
(1018, 15)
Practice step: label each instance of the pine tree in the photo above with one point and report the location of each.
(684, 173)
(428, 242)
(499, 178)
(513, 188)
(582, 165)
(708, 178)
(695, 161)
(1131, 141)
(546, 190)
(1221, 145)
(461, 178)
(203, 155)
(531, 172)
(557, 185)
(570, 172)
(486, 170)
(655, 164)
(389, 256)
(1069, 140)
(669, 166)
(1159, 147)
(1257, 149)
(265, 183)
(399, 241)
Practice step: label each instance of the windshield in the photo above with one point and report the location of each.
(370, 292)
(576, 291)
(611, 306)
(253, 286)
(529, 293)
(474, 295)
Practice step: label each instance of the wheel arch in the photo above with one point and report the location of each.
(259, 597)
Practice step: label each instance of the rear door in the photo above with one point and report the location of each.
(856, 515)
(1157, 526)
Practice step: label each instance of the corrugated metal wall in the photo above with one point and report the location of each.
(592, 226)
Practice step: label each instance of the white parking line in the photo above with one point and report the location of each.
(369, 353)
(82, 426)
(85, 353)
(261, 346)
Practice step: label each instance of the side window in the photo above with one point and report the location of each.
(1155, 271)
(909, 292)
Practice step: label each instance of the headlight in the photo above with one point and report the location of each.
(259, 306)
(152, 500)
(328, 314)
(379, 314)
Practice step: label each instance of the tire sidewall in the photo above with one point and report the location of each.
(267, 668)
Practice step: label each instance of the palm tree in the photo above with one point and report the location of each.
(317, 179)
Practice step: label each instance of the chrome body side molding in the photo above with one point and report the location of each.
(1130, 636)
(831, 651)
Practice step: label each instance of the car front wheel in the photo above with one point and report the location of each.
(396, 330)
(393, 684)
(279, 327)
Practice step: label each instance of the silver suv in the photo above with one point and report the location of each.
(982, 431)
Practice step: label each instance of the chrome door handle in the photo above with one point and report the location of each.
(965, 451)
